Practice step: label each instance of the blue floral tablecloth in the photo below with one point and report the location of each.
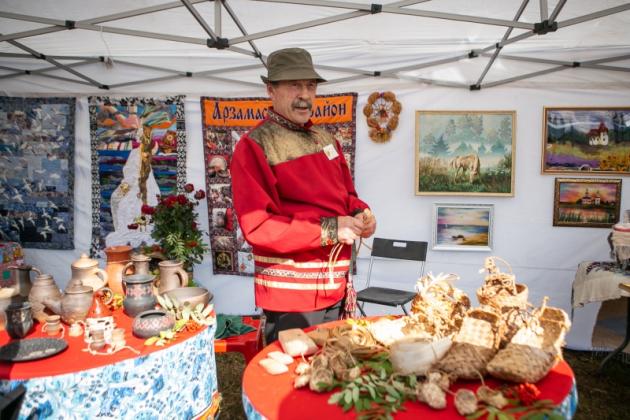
(177, 382)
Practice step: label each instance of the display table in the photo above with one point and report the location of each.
(273, 397)
(175, 381)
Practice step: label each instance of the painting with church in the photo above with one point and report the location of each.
(594, 140)
(586, 202)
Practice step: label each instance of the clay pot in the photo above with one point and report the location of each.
(44, 287)
(118, 258)
(19, 319)
(74, 304)
(85, 272)
(172, 276)
(21, 278)
(150, 323)
(139, 295)
(139, 265)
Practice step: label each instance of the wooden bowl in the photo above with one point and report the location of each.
(194, 295)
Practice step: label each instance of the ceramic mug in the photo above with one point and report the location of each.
(97, 338)
(19, 319)
(52, 325)
(76, 329)
(118, 337)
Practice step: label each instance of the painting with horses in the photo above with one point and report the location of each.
(465, 152)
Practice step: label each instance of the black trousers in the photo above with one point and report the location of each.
(278, 321)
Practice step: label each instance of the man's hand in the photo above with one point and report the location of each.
(369, 223)
(349, 229)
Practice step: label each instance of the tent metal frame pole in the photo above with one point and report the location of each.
(225, 79)
(594, 15)
(227, 69)
(544, 10)
(413, 12)
(101, 19)
(23, 72)
(56, 63)
(524, 76)
(296, 27)
(346, 79)
(217, 16)
(241, 28)
(507, 34)
(608, 59)
(151, 80)
(425, 64)
(590, 64)
(556, 11)
(435, 82)
(200, 20)
(345, 69)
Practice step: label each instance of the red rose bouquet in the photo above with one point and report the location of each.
(175, 226)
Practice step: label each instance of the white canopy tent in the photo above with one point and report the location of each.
(435, 55)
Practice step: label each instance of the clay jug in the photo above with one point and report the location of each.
(44, 287)
(139, 265)
(85, 272)
(172, 276)
(74, 304)
(139, 295)
(21, 278)
(118, 258)
(101, 299)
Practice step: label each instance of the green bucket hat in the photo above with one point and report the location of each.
(290, 64)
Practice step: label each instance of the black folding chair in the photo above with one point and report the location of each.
(392, 249)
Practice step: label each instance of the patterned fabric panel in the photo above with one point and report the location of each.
(37, 172)
(138, 153)
(175, 383)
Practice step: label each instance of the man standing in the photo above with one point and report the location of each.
(296, 203)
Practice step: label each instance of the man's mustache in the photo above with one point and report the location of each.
(300, 103)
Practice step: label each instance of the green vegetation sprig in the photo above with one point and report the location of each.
(377, 393)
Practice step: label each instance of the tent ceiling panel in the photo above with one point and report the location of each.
(424, 39)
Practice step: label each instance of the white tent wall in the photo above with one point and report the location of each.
(542, 256)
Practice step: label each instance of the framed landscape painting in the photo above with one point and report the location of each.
(462, 227)
(586, 202)
(586, 140)
(465, 153)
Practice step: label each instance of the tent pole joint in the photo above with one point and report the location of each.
(473, 54)
(189, 74)
(576, 64)
(71, 24)
(376, 8)
(475, 87)
(377, 74)
(219, 43)
(104, 87)
(27, 72)
(544, 27)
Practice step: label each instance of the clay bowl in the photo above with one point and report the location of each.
(149, 323)
(193, 295)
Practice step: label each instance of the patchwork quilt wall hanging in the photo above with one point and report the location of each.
(224, 121)
(138, 153)
(37, 172)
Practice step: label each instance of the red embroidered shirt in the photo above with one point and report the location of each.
(289, 184)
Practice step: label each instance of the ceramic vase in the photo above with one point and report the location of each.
(117, 259)
(44, 287)
(19, 319)
(139, 295)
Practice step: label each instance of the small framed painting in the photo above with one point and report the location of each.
(462, 227)
(584, 141)
(586, 202)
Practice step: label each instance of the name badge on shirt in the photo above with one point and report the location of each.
(330, 152)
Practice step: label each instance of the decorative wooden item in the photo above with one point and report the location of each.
(382, 110)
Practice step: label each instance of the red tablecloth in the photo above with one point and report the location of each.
(274, 397)
(74, 359)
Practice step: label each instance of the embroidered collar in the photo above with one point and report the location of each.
(281, 120)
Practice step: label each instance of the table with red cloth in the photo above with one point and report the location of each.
(273, 397)
(175, 381)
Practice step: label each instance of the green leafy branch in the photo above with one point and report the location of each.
(376, 394)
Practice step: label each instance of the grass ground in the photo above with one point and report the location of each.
(601, 397)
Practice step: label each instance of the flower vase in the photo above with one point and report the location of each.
(117, 259)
